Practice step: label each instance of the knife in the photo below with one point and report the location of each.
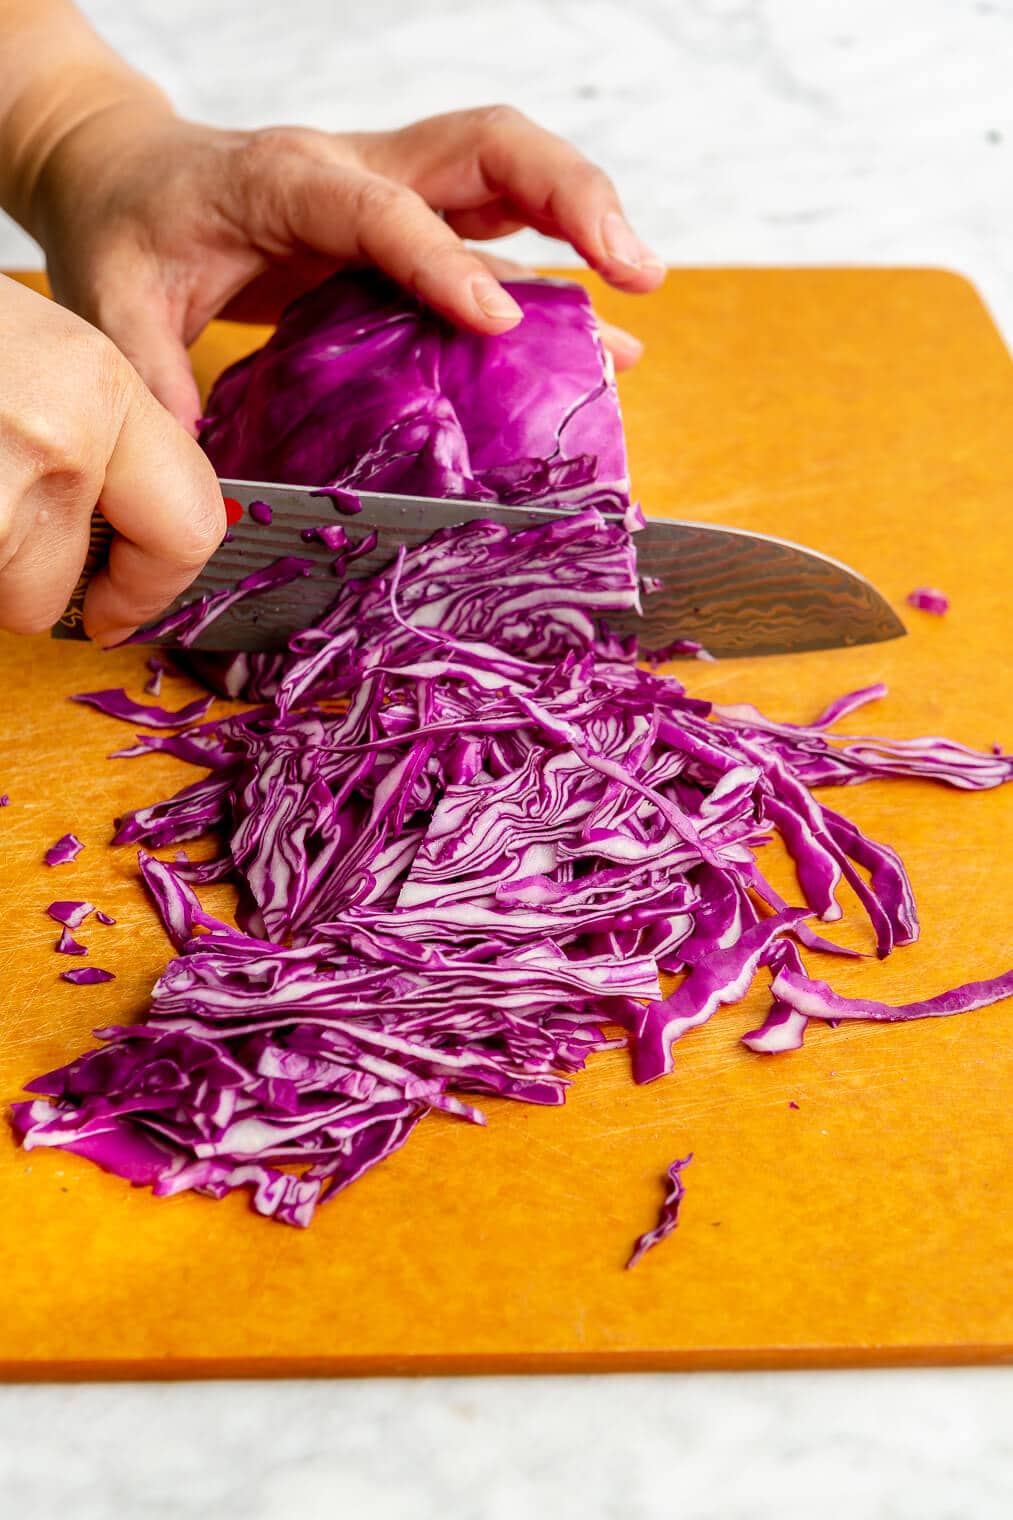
(734, 592)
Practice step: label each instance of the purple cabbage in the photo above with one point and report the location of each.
(815, 1000)
(70, 914)
(678, 647)
(158, 668)
(720, 975)
(68, 945)
(927, 599)
(67, 848)
(116, 704)
(668, 1216)
(346, 502)
(84, 975)
(437, 411)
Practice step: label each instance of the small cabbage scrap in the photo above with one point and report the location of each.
(668, 1216)
(158, 668)
(68, 945)
(67, 848)
(928, 599)
(71, 914)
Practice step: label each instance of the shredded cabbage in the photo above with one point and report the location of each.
(668, 1215)
(118, 705)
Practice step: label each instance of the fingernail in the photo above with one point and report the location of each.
(623, 245)
(495, 302)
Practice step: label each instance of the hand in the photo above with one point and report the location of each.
(181, 223)
(78, 426)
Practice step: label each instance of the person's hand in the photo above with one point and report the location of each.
(152, 225)
(77, 426)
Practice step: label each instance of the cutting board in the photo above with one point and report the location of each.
(868, 413)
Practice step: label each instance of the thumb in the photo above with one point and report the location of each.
(147, 339)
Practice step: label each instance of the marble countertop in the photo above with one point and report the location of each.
(740, 131)
(892, 1445)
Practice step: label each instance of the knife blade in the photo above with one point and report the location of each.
(735, 592)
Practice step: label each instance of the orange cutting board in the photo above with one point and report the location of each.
(869, 414)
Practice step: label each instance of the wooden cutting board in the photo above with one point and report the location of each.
(870, 414)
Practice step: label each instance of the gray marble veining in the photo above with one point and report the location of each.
(791, 131)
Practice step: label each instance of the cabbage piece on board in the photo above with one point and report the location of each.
(362, 386)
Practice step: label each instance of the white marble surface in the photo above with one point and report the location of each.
(792, 131)
(741, 131)
(798, 1446)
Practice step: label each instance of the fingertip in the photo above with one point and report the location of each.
(627, 261)
(106, 638)
(182, 402)
(622, 345)
(165, 370)
(639, 281)
(95, 625)
(112, 637)
(491, 328)
(654, 273)
(651, 276)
